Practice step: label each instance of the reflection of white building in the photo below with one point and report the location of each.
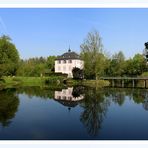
(66, 95)
(66, 62)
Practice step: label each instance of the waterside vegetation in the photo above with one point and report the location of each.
(39, 71)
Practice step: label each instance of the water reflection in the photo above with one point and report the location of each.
(36, 91)
(8, 106)
(99, 113)
(118, 96)
(70, 97)
(95, 107)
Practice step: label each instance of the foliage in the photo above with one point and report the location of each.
(58, 74)
(50, 62)
(36, 66)
(9, 57)
(136, 66)
(77, 73)
(77, 91)
(93, 55)
(116, 65)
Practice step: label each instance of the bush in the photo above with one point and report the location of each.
(77, 73)
(57, 74)
(54, 80)
(2, 80)
(16, 79)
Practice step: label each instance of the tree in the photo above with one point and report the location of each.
(136, 66)
(9, 57)
(117, 64)
(50, 62)
(36, 66)
(93, 55)
(77, 73)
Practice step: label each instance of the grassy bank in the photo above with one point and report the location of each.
(53, 81)
(90, 83)
(30, 81)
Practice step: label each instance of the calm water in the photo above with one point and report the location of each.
(74, 113)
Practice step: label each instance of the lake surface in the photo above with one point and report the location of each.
(76, 113)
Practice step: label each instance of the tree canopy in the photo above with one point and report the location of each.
(9, 57)
(36, 66)
(93, 55)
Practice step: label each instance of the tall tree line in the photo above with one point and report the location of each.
(36, 66)
(98, 63)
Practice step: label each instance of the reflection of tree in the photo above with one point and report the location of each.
(37, 91)
(95, 107)
(145, 104)
(137, 95)
(8, 106)
(77, 91)
(141, 96)
(118, 97)
(145, 100)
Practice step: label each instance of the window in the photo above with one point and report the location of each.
(69, 61)
(64, 61)
(59, 61)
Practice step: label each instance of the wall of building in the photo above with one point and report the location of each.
(68, 66)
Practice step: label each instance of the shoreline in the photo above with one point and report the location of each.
(57, 82)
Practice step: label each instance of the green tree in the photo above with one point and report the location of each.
(77, 73)
(93, 55)
(36, 66)
(136, 66)
(50, 62)
(117, 64)
(9, 57)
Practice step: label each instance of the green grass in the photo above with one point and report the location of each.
(90, 83)
(30, 81)
(23, 81)
(52, 81)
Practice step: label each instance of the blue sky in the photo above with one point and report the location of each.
(42, 32)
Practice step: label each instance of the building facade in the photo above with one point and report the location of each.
(66, 62)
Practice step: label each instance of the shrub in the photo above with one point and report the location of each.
(57, 74)
(77, 73)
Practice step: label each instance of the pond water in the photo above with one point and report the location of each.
(76, 113)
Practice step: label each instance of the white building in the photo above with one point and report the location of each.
(66, 62)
